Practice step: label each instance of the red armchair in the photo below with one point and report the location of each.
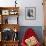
(28, 34)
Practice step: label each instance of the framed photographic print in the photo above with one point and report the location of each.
(30, 13)
(5, 12)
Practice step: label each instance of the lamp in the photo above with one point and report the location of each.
(15, 37)
(15, 30)
(15, 3)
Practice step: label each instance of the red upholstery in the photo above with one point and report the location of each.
(29, 33)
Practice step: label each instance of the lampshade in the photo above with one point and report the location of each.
(15, 30)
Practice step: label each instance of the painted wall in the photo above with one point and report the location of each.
(25, 3)
(37, 29)
(39, 13)
(22, 21)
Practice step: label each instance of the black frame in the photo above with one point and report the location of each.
(26, 10)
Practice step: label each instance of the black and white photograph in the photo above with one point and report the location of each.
(30, 13)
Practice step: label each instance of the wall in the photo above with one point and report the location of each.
(22, 21)
(44, 12)
(37, 30)
(25, 3)
(39, 13)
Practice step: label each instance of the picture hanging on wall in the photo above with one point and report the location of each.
(30, 13)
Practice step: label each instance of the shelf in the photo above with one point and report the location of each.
(9, 10)
(10, 19)
(5, 12)
(11, 41)
(4, 8)
(10, 26)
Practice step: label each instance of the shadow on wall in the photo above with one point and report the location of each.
(37, 29)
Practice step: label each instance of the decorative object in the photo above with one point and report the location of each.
(5, 12)
(30, 38)
(15, 37)
(31, 41)
(7, 34)
(13, 12)
(30, 13)
(6, 21)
